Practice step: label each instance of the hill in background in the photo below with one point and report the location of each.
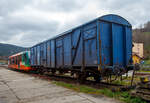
(142, 35)
(8, 49)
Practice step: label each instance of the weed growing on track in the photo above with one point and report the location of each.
(122, 96)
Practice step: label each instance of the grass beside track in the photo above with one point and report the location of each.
(122, 96)
(147, 62)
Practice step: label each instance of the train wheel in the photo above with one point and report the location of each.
(41, 71)
(75, 75)
(61, 72)
(53, 72)
(97, 78)
(37, 71)
(81, 78)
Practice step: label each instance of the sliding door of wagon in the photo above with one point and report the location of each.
(32, 55)
(118, 44)
(76, 48)
(67, 50)
(48, 57)
(105, 42)
(90, 53)
(52, 53)
(38, 55)
(41, 54)
(59, 52)
(44, 54)
(35, 55)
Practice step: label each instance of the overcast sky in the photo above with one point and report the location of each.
(27, 22)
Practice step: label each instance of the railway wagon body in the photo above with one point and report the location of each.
(20, 61)
(104, 44)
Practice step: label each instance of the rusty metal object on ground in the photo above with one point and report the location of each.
(143, 89)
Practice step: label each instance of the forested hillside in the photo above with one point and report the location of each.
(8, 49)
(142, 35)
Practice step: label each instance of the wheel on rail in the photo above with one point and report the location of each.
(97, 78)
(53, 72)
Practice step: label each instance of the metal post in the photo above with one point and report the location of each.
(133, 75)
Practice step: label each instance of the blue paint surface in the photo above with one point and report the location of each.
(105, 41)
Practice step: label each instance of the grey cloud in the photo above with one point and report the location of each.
(136, 11)
(31, 38)
(31, 24)
(32, 29)
(28, 28)
(117, 4)
(81, 19)
(59, 5)
(7, 6)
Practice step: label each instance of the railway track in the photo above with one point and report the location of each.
(143, 73)
(71, 80)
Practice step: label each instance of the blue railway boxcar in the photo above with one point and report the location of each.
(102, 47)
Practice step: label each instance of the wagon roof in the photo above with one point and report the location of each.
(109, 18)
(17, 54)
